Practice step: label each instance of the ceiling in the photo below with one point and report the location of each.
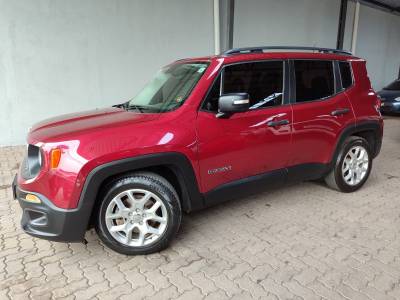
(391, 5)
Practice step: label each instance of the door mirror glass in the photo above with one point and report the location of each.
(233, 103)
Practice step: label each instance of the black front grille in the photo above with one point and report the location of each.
(32, 162)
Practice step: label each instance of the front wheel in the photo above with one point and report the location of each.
(139, 214)
(352, 167)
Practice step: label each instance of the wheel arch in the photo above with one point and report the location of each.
(369, 130)
(175, 167)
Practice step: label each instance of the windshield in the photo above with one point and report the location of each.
(394, 86)
(169, 88)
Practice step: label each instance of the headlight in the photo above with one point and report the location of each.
(32, 163)
(397, 99)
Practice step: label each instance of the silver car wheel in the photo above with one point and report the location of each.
(136, 217)
(355, 165)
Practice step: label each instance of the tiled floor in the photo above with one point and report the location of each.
(304, 241)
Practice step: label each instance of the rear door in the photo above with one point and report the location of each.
(249, 143)
(321, 110)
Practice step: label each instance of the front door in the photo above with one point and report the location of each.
(249, 143)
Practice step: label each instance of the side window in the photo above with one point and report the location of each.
(211, 103)
(314, 80)
(263, 81)
(345, 74)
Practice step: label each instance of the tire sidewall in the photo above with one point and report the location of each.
(341, 183)
(167, 196)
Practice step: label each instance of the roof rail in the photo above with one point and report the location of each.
(261, 49)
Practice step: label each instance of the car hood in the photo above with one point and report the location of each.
(388, 94)
(71, 124)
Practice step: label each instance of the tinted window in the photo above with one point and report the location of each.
(314, 80)
(263, 81)
(345, 74)
(211, 102)
(394, 86)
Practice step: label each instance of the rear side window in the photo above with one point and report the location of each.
(345, 74)
(314, 80)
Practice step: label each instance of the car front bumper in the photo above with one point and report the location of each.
(45, 220)
(390, 107)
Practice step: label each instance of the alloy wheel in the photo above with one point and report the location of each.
(355, 165)
(136, 217)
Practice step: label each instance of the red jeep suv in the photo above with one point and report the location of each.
(202, 131)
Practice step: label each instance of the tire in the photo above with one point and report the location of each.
(139, 214)
(350, 180)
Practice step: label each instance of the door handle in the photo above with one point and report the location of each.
(340, 111)
(277, 123)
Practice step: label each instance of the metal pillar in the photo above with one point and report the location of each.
(231, 17)
(355, 28)
(217, 25)
(226, 19)
(342, 24)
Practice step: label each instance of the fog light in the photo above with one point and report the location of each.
(32, 198)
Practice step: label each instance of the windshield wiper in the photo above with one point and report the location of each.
(121, 105)
(133, 106)
(126, 106)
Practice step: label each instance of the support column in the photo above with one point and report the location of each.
(355, 28)
(226, 19)
(217, 25)
(231, 18)
(342, 24)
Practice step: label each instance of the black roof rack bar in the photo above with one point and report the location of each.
(261, 49)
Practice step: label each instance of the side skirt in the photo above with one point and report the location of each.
(262, 182)
(311, 171)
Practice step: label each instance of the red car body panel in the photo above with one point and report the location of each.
(83, 151)
(242, 143)
(364, 99)
(313, 124)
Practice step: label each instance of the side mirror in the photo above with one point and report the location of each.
(229, 104)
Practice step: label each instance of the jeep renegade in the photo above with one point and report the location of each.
(203, 131)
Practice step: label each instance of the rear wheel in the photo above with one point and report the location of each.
(139, 214)
(352, 167)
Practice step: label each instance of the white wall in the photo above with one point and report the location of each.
(315, 23)
(59, 56)
(286, 22)
(378, 41)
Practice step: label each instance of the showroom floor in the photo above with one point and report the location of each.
(303, 241)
